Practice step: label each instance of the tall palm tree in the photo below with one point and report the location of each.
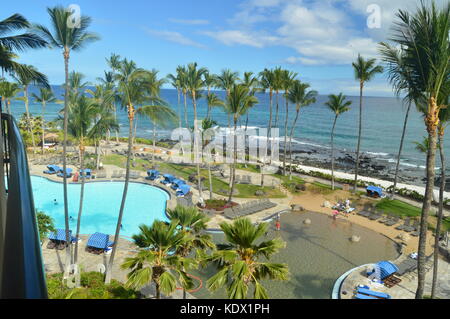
(192, 223)
(209, 128)
(301, 97)
(251, 81)
(132, 90)
(424, 39)
(25, 80)
(176, 83)
(338, 105)
(365, 71)
(82, 111)
(194, 80)
(45, 96)
(238, 103)
(10, 41)
(8, 91)
(399, 76)
(267, 82)
(444, 118)
(182, 78)
(156, 262)
(159, 115)
(244, 260)
(278, 85)
(287, 80)
(210, 80)
(67, 39)
(114, 64)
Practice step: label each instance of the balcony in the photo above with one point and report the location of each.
(21, 268)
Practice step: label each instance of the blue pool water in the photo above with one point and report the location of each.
(144, 204)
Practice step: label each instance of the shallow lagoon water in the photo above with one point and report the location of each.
(101, 205)
(316, 254)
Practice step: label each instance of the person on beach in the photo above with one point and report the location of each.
(278, 225)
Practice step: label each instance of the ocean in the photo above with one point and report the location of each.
(382, 124)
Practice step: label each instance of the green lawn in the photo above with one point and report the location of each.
(183, 172)
(398, 208)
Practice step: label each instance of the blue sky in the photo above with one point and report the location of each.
(316, 38)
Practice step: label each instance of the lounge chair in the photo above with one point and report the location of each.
(101, 175)
(51, 244)
(409, 229)
(407, 223)
(360, 296)
(416, 231)
(363, 213)
(393, 221)
(385, 219)
(372, 293)
(407, 265)
(375, 216)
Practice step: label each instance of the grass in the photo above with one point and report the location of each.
(183, 172)
(398, 208)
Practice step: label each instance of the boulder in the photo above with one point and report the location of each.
(327, 204)
(297, 208)
(307, 221)
(260, 193)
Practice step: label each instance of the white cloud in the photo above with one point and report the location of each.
(235, 37)
(173, 36)
(189, 22)
(320, 31)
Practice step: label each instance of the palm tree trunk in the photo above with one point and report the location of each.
(99, 152)
(154, 142)
(276, 112)
(185, 110)
(291, 135)
(440, 215)
(124, 195)
(80, 209)
(233, 175)
(361, 87)
(400, 149)
(427, 202)
(285, 135)
(115, 117)
(268, 136)
(66, 203)
(43, 126)
(158, 291)
(29, 123)
(196, 148)
(210, 182)
(332, 152)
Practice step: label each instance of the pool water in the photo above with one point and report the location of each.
(101, 205)
(316, 255)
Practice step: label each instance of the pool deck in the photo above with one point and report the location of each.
(406, 289)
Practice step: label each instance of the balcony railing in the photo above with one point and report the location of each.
(22, 271)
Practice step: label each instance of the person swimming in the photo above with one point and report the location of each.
(55, 202)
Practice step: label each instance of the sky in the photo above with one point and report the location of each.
(318, 39)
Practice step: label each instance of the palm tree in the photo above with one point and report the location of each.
(208, 129)
(82, 111)
(444, 118)
(8, 91)
(182, 78)
(239, 260)
(193, 224)
(16, 42)
(132, 90)
(157, 262)
(338, 105)
(278, 85)
(45, 96)
(194, 80)
(238, 103)
(252, 83)
(159, 114)
(288, 79)
(267, 82)
(24, 80)
(176, 83)
(114, 64)
(400, 77)
(301, 97)
(365, 70)
(418, 34)
(210, 80)
(68, 39)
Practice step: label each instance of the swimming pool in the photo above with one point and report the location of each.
(101, 206)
